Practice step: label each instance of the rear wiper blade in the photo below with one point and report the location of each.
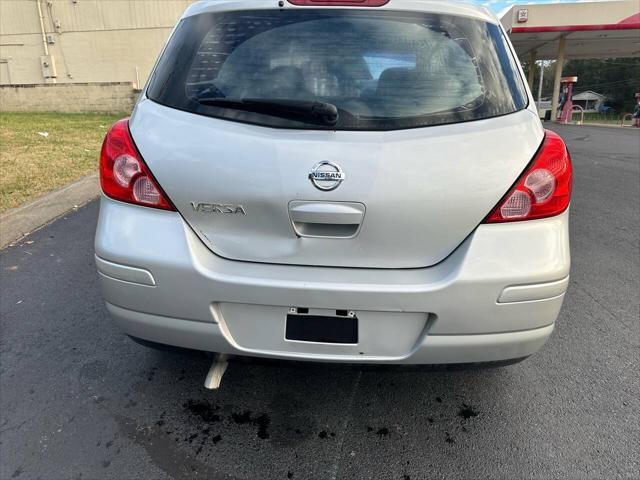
(310, 111)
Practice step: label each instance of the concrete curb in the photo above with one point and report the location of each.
(18, 222)
(608, 125)
(587, 124)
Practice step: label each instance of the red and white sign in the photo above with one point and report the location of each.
(523, 15)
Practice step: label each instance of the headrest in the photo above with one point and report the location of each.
(395, 80)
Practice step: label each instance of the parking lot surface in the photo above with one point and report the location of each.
(78, 399)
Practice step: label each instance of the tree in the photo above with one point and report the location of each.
(616, 78)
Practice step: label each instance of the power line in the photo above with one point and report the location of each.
(609, 84)
(595, 85)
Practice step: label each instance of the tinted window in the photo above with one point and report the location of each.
(382, 70)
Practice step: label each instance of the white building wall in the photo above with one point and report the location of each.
(89, 40)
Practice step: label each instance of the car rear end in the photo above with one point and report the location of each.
(336, 181)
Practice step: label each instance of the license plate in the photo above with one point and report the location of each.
(322, 329)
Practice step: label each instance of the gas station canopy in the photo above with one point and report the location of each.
(604, 29)
(561, 31)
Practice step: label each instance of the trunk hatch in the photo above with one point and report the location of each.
(408, 198)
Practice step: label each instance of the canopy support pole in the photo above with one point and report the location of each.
(555, 99)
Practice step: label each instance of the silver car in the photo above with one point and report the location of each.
(347, 180)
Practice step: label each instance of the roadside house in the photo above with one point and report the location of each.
(589, 100)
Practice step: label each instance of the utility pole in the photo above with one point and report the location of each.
(540, 82)
(532, 68)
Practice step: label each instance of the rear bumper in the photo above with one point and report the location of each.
(495, 298)
(433, 349)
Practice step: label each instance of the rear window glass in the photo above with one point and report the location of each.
(382, 70)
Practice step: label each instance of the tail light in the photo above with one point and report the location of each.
(543, 190)
(124, 175)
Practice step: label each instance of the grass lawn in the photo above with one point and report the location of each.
(610, 119)
(32, 164)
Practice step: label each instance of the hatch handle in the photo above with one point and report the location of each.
(326, 219)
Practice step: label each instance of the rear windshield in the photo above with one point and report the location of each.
(381, 70)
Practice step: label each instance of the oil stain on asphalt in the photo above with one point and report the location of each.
(208, 413)
(203, 409)
(207, 422)
(186, 441)
(467, 412)
(262, 421)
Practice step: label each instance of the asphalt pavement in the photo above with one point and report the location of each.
(79, 400)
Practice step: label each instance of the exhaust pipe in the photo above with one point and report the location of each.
(216, 371)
